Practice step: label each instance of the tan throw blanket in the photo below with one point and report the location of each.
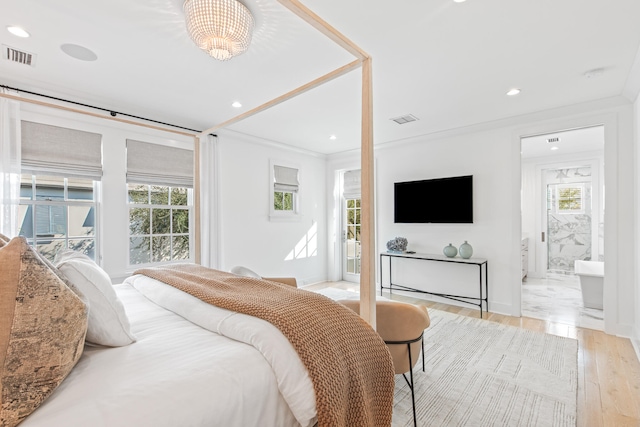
(349, 364)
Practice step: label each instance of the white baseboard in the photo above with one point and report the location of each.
(635, 342)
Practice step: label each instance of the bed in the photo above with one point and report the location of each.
(191, 364)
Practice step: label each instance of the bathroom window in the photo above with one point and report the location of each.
(570, 198)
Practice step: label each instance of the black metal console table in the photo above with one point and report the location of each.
(480, 262)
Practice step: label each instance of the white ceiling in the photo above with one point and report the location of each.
(449, 64)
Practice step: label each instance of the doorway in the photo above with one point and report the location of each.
(351, 226)
(562, 222)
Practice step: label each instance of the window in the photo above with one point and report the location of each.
(58, 213)
(61, 171)
(159, 223)
(570, 198)
(160, 202)
(284, 193)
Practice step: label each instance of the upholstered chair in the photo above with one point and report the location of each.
(401, 326)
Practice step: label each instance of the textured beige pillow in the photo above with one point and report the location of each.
(42, 329)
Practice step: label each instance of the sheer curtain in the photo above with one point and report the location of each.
(10, 160)
(208, 202)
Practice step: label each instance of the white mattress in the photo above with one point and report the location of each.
(176, 374)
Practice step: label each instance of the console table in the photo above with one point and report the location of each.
(483, 279)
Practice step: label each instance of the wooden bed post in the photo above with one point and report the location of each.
(367, 238)
(196, 200)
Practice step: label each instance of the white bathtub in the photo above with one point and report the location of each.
(591, 274)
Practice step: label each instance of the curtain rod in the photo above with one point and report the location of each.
(111, 112)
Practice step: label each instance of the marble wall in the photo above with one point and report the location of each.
(568, 234)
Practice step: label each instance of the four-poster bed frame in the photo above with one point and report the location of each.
(367, 274)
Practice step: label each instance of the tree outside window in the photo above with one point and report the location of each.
(159, 218)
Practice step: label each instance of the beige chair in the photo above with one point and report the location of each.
(244, 271)
(401, 326)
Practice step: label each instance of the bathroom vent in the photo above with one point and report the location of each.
(405, 119)
(552, 140)
(19, 56)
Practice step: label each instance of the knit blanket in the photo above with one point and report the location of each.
(349, 364)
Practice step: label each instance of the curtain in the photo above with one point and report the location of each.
(10, 159)
(208, 202)
(352, 185)
(286, 179)
(55, 150)
(156, 164)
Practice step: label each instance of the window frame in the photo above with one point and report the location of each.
(284, 215)
(149, 205)
(561, 187)
(67, 203)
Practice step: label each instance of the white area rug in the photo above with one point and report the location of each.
(482, 373)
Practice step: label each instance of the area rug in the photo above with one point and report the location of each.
(482, 373)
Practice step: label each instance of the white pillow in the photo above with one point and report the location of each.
(245, 272)
(108, 321)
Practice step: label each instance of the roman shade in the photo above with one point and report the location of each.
(351, 187)
(155, 164)
(56, 150)
(285, 179)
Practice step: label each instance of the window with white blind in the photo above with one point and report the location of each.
(160, 203)
(61, 171)
(284, 193)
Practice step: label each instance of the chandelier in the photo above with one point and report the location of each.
(222, 28)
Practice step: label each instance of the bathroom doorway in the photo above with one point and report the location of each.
(562, 221)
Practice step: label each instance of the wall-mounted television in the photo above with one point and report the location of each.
(440, 201)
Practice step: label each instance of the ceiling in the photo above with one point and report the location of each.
(448, 64)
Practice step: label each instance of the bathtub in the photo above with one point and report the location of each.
(591, 274)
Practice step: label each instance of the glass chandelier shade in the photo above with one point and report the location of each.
(222, 28)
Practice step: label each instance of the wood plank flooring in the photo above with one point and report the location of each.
(608, 369)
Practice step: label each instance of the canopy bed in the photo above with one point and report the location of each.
(164, 357)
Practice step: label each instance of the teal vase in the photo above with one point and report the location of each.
(465, 250)
(450, 251)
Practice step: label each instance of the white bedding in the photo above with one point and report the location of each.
(181, 374)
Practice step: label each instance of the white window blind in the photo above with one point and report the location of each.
(285, 179)
(159, 164)
(61, 151)
(351, 188)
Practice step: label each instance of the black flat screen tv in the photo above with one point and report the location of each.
(439, 201)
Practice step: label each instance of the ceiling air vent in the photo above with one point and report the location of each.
(19, 56)
(405, 119)
(552, 140)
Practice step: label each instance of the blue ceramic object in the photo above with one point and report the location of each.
(465, 250)
(450, 251)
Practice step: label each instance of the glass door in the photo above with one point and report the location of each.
(351, 240)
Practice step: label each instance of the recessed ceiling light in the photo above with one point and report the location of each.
(79, 52)
(459, 1)
(333, 137)
(236, 104)
(513, 92)
(555, 148)
(17, 31)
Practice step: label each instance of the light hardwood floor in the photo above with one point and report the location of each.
(608, 369)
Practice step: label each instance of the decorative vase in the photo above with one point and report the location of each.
(450, 251)
(465, 250)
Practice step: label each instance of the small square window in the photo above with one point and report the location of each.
(570, 198)
(284, 191)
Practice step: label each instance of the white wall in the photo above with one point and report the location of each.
(486, 155)
(491, 153)
(247, 236)
(636, 118)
